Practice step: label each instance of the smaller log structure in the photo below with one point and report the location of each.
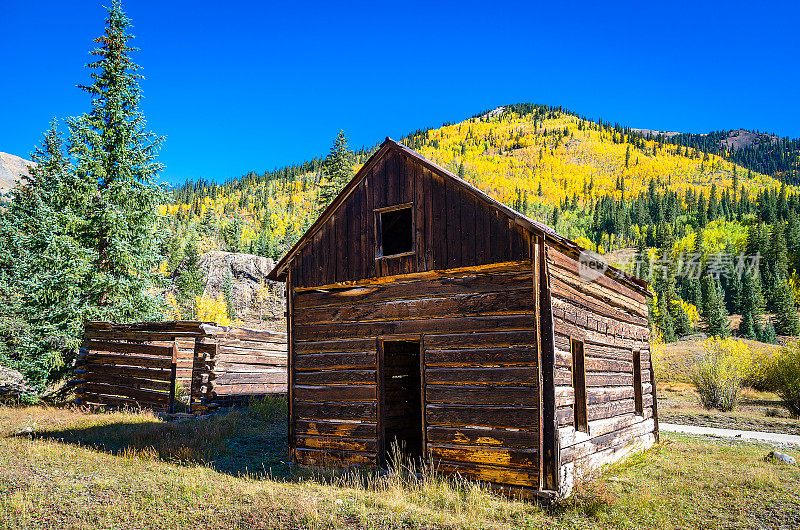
(142, 364)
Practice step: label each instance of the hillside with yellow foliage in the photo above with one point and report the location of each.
(533, 161)
(681, 199)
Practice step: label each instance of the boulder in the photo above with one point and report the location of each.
(780, 458)
(13, 387)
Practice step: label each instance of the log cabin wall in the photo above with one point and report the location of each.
(235, 365)
(451, 228)
(609, 320)
(476, 327)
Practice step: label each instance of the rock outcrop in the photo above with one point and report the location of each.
(251, 292)
(13, 387)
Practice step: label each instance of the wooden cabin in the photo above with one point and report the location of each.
(423, 313)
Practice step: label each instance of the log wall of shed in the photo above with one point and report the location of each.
(611, 321)
(480, 368)
(451, 228)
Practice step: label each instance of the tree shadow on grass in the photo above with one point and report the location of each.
(241, 441)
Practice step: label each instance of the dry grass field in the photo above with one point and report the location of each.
(65, 468)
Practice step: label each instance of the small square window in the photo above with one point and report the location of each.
(396, 231)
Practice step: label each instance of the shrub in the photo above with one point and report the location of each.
(719, 372)
(784, 376)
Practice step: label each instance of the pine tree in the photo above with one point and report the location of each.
(683, 326)
(116, 164)
(786, 321)
(714, 312)
(338, 170)
(665, 322)
(189, 282)
(767, 334)
(44, 270)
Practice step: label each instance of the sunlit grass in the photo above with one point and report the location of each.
(69, 468)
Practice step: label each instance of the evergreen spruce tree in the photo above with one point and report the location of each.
(748, 328)
(714, 312)
(189, 282)
(44, 270)
(665, 323)
(682, 324)
(768, 333)
(752, 306)
(116, 165)
(786, 321)
(337, 170)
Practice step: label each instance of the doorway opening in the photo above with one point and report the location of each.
(402, 406)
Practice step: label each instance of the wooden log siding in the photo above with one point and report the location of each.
(479, 360)
(611, 320)
(234, 365)
(132, 364)
(127, 372)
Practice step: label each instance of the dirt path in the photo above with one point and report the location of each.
(732, 433)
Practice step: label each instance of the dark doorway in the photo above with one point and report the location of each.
(401, 407)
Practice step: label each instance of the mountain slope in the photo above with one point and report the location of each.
(540, 160)
(11, 167)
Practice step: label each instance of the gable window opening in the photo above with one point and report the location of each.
(581, 418)
(637, 383)
(396, 231)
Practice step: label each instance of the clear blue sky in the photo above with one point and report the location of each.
(238, 86)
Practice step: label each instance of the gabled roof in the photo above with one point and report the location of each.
(280, 271)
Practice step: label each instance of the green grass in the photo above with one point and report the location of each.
(68, 469)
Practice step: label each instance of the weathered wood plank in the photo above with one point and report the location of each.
(483, 395)
(330, 361)
(317, 393)
(490, 303)
(336, 377)
(474, 436)
(494, 356)
(351, 429)
(513, 417)
(512, 375)
(336, 411)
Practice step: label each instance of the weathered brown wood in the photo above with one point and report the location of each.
(142, 396)
(328, 443)
(331, 458)
(496, 356)
(316, 393)
(248, 390)
(492, 339)
(155, 374)
(335, 377)
(503, 278)
(414, 326)
(330, 346)
(129, 360)
(111, 335)
(353, 429)
(329, 361)
(506, 417)
(127, 347)
(496, 474)
(227, 378)
(474, 436)
(133, 382)
(485, 455)
(336, 411)
(464, 304)
(482, 395)
(510, 375)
